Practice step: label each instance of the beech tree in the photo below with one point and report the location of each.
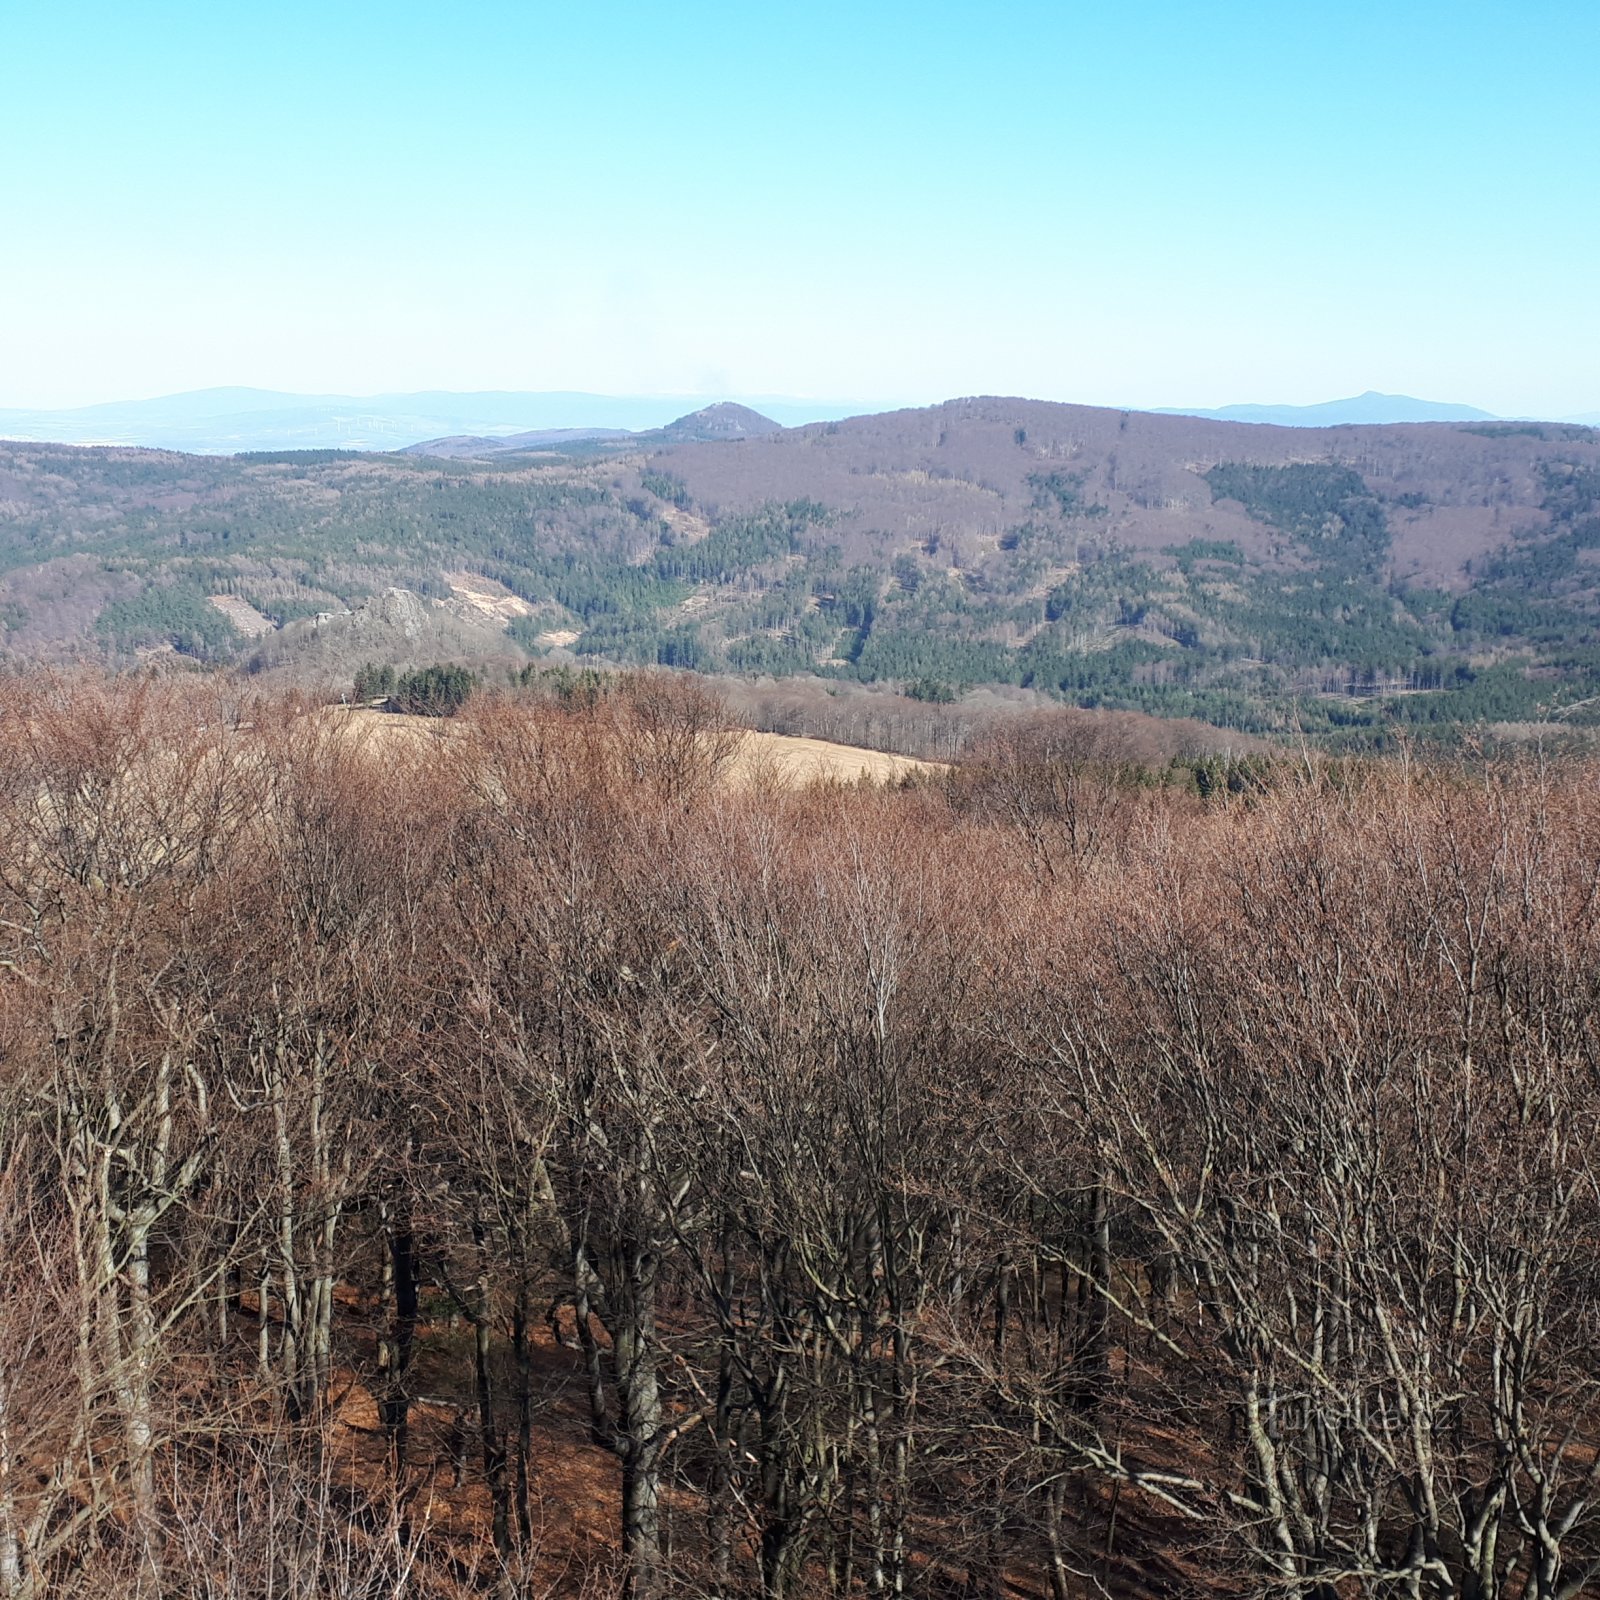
(1044, 1182)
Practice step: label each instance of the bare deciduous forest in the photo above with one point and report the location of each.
(518, 1163)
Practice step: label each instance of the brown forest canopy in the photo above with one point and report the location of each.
(510, 1160)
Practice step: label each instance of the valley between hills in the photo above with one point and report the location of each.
(1348, 583)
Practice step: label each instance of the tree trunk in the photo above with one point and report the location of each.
(639, 1394)
(134, 1392)
(400, 1336)
(10, 1545)
(494, 1448)
(524, 1369)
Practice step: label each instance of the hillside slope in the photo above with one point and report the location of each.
(1255, 575)
(725, 420)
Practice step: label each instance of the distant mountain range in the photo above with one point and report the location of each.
(725, 420)
(1370, 407)
(1359, 410)
(224, 421)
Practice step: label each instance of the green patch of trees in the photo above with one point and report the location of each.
(173, 614)
(741, 544)
(664, 486)
(1326, 507)
(373, 681)
(1064, 492)
(436, 691)
(296, 458)
(1223, 551)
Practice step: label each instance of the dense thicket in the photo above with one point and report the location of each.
(417, 1151)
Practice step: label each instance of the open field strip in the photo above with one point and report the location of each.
(792, 760)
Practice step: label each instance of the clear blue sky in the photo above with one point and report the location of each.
(1145, 204)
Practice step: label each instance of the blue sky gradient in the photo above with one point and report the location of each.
(1142, 204)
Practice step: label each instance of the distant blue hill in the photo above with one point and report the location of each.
(1368, 407)
(221, 421)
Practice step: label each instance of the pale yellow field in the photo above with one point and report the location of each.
(810, 760)
(760, 755)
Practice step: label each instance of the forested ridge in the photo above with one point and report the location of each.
(510, 1159)
(1350, 583)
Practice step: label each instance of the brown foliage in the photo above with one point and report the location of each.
(1047, 1184)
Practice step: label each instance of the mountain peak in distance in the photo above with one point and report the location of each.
(724, 420)
(1371, 407)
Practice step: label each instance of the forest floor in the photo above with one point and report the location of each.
(574, 1489)
(574, 1492)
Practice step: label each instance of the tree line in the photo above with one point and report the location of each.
(1034, 1182)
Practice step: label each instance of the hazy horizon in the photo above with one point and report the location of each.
(512, 410)
(1150, 208)
(227, 420)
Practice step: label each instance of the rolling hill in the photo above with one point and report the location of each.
(724, 420)
(1356, 578)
